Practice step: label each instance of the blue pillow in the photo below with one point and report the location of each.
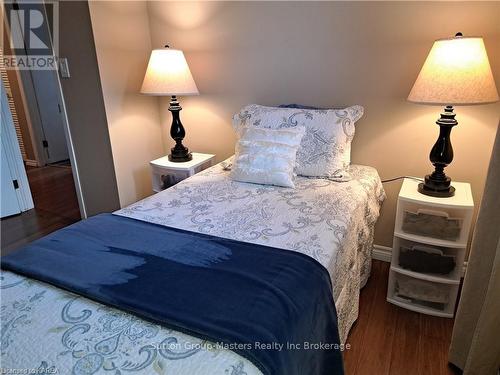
(298, 106)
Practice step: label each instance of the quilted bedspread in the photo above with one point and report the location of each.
(44, 327)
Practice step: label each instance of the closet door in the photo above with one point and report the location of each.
(9, 204)
(15, 193)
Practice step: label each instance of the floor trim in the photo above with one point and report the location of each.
(383, 253)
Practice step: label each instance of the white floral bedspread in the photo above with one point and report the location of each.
(47, 328)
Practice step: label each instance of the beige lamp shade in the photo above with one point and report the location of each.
(456, 72)
(168, 74)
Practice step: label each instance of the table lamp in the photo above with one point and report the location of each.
(168, 75)
(456, 72)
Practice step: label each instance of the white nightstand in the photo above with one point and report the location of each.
(429, 246)
(165, 173)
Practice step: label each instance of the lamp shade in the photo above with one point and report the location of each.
(456, 72)
(168, 74)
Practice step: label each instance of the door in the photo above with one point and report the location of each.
(46, 92)
(15, 193)
(9, 203)
(54, 142)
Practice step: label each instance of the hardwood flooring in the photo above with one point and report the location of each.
(390, 340)
(54, 191)
(56, 206)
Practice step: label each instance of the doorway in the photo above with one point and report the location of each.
(39, 194)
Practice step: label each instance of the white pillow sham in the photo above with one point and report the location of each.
(325, 149)
(266, 156)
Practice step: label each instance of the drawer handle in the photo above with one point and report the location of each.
(432, 212)
(427, 249)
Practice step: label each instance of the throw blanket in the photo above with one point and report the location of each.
(272, 306)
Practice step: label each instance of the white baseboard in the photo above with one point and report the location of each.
(31, 163)
(384, 253)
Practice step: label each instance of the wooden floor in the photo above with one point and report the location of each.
(388, 339)
(56, 206)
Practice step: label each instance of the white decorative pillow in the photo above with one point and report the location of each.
(266, 156)
(325, 149)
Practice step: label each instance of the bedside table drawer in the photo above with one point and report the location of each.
(441, 223)
(422, 295)
(436, 224)
(435, 261)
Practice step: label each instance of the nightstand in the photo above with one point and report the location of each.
(429, 247)
(165, 173)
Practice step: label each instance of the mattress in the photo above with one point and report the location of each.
(47, 328)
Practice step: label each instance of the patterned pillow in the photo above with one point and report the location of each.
(325, 149)
(266, 156)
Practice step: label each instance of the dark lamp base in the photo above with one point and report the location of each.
(180, 158)
(438, 184)
(448, 192)
(179, 153)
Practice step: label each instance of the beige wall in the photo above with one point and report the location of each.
(123, 45)
(329, 54)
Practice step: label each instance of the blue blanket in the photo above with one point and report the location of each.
(272, 306)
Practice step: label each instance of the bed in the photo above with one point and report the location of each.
(329, 221)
